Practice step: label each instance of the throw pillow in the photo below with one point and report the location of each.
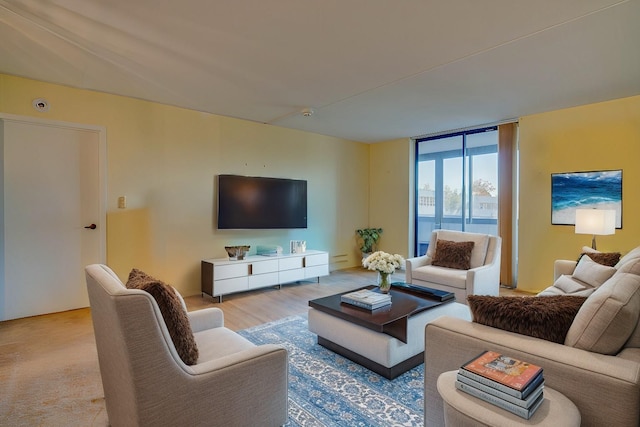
(609, 259)
(548, 318)
(173, 313)
(592, 273)
(453, 254)
(568, 285)
(608, 317)
(480, 247)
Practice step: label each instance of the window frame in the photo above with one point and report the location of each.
(466, 155)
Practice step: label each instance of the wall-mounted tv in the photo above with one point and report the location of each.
(249, 202)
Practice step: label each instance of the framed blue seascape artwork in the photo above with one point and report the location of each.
(585, 190)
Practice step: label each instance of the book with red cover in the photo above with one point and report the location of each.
(505, 370)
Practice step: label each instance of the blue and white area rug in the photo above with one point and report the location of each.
(326, 389)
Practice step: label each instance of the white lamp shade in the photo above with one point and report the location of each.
(595, 221)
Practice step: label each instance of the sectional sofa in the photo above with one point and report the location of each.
(597, 366)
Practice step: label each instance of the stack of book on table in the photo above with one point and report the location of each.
(366, 298)
(511, 384)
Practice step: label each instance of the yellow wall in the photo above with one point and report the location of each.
(603, 136)
(390, 187)
(165, 159)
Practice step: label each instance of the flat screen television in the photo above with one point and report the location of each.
(249, 202)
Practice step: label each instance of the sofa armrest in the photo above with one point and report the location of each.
(606, 389)
(563, 266)
(207, 318)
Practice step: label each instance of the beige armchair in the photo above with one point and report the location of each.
(146, 383)
(483, 278)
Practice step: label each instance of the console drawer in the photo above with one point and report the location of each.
(261, 267)
(316, 259)
(227, 271)
(291, 262)
(228, 286)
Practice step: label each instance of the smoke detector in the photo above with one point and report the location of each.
(40, 104)
(307, 112)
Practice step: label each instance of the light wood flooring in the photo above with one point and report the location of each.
(49, 373)
(247, 309)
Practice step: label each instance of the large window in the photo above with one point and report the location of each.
(456, 184)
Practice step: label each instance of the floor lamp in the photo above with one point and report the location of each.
(597, 222)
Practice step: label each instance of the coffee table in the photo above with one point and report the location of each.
(389, 340)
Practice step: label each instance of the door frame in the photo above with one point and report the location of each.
(102, 165)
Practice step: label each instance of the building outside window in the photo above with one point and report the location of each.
(456, 184)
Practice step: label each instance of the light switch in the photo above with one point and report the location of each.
(122, 202)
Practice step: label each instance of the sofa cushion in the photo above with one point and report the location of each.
(548, 318)
(453, 254)
(605, 258)
(172, 310)
(632, 255)
(608, 317)
(631, 266)
(591, 272)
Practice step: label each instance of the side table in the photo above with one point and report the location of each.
(464, 410)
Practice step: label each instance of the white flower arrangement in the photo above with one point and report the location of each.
(383, 262)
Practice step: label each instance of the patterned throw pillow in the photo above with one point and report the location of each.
(548, 318)
(453, 254)
(173, 313)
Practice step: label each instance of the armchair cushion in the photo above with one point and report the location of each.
(609, 316)
(548, 318)
(173, 313)
(591, 272)
(441, 275)
(453, 254)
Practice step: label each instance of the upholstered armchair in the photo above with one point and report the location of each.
(145, 381)
(480, 277)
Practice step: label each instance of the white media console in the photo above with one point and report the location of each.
(223, 276)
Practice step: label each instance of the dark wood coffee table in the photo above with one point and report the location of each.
(390, 320)
(343, 335)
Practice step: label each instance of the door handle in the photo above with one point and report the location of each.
(92, 226)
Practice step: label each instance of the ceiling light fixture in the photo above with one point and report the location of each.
(40, 104)
(307, 112)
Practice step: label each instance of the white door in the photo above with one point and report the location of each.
(52, 191)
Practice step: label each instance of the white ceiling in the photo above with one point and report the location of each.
(372, 70)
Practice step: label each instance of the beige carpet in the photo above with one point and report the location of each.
(49, 373)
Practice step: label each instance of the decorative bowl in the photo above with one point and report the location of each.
(237, 252)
